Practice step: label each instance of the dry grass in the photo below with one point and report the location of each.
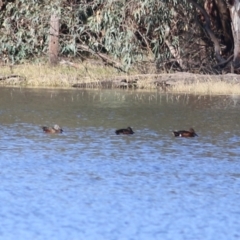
(228, 84)
(41, 75)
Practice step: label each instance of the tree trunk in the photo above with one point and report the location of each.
(207, 28)
(225, 20)
(53, 40)
(234, 8)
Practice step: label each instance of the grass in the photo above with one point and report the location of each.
(64, 76)
(226, 86)
(42, 75)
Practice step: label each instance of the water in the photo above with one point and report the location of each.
(89, 183)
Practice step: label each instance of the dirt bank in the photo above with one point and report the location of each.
(91, 75)
(163, 81)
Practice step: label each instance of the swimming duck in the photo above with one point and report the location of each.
(184, 133)
(125, 131)
(54, 129)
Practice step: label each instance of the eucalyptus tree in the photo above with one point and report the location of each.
(191, 35)
(220, 20)
(171, 34)
(137, 31)
(130, 31)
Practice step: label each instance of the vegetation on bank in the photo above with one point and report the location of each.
(42, 75)
(128, 44)
(174, 35)
(94, 75)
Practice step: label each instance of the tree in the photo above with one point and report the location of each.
(234, 7)
(200, 36)
(219, 16)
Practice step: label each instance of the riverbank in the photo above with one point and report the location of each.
(96, 75)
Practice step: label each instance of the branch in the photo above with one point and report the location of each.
(12, 76)
(207, 27)
(224, 63)
(173, 50)
(103, 57)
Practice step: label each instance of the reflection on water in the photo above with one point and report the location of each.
(89, 183)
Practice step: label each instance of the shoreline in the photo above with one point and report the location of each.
(101, 77)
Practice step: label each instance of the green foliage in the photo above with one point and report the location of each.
(128, 30)
(23, 32)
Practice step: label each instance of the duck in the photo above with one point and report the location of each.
(54, 129)
(184, 133)
(125, 131)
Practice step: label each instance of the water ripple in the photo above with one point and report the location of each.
(89, 183)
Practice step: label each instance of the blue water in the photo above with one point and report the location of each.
(89, 183)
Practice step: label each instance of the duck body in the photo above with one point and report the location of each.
(184, 133)
(125, 131)
(54, 129)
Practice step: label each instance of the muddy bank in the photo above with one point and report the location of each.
(161, 81)
(141, 81)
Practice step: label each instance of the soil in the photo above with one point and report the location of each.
(158, 80)
(140, 81)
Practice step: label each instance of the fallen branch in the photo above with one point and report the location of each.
(68, 63)
(12, 76)
(103, 57)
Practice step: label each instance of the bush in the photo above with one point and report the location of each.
(130, 31)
